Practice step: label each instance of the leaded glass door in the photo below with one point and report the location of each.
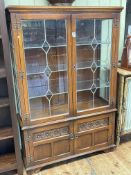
(92, 43)
(46, 57)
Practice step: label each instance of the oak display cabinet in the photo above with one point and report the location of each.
(64, 69)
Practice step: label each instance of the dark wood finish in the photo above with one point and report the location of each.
(50, 138)
(104, 9)
(60, 1)
(58, 141)
(8, 162)
(2, 69)
(4, 102)
(6, 133)
(93, 133)
(49, 143)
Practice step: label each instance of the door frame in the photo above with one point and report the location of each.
(114, 59)
(21, 66)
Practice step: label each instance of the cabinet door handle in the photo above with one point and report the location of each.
(71, 136)
(76, 136)
(74, 67)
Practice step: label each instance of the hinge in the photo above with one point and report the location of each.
(73, 136)
(20, 75)
(16, 25)
(114, 64)
(74, 34)
(26, 118)
(110, 138)
(116, 22)
(112, 102)
(30, 158)
(28, 138)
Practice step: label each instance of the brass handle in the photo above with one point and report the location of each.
(74, 67)
(71, 136)
(76, 136)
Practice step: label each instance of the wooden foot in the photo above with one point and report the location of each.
(33, 172)
(109, 150)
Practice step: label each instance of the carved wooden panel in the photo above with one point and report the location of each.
(57, 132)
(93, 124)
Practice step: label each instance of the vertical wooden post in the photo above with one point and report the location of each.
(7, 60)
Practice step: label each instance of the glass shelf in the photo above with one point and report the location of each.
(54, 68)
(83, 42)
(91, 85)
(54, 94)
(87, 64)
(40, 85)
(40, 47)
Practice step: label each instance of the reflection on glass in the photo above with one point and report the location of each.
(35, 61)
(33, 33)
(46, 65)
(93, 42)
(56, 32)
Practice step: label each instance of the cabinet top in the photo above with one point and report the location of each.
(22, 9)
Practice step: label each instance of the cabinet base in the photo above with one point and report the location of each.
(35, 169)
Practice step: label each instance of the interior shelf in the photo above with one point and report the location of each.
(2, 70)
(90, 84)
(51, 46)
(4, 102)
(89, 42)
(7, 163)
(6, 133)
(53, 68)
(88, 64)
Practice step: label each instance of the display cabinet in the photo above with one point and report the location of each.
(64, 69)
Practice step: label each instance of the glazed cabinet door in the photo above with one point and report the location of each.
(44, 53)
(94, 133)
(49, 143)
(94, 42)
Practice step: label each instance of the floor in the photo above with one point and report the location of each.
(117, 162)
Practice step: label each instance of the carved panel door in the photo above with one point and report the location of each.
(93, 133)
(50, 143)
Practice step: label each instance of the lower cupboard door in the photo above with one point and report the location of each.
(93, 133)
(51, 143)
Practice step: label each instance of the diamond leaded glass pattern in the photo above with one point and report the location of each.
(93, 42)
(46, 63)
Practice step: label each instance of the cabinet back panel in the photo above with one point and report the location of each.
(5, 118)
(3, 88)
(1, 50)
(6, 146)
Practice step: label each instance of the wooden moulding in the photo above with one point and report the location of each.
(63, 9)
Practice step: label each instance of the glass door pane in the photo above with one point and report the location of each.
(93, 62)
(45, 46)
